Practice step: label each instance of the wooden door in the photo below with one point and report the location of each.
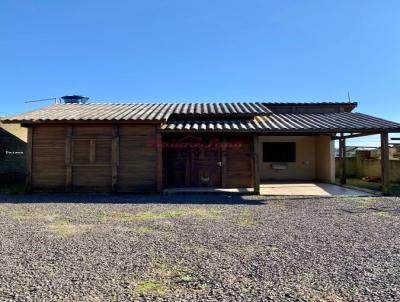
(206, 167)
(177, 165)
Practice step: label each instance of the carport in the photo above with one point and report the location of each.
(318, 132)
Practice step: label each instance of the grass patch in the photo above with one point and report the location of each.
(185, 277)
(101, 215)
(206, 213)
(196, 248)
(246, 212)
(365, 201)
(144, 230)
(21, 216)
(168, 214)
(165, 277)
(126, 216)
(30, 216)
(151, 287)
(277, 204)
(244, 218)
(245, 222)
(376, 186)
(179, 273)
(65, 228)
(383, 214)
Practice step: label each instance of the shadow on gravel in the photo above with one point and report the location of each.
(370, 209)
(227, 199)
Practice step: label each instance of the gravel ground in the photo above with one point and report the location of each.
(199, 248)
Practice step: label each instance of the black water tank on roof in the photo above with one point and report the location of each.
(74, 99)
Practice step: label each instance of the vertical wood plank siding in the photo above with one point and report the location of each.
(85, 158)
(237, 172)
(138, 157)
(159, 148)
(235, 156)
(120, 158)
(48, 162)
(29, 161)
(223, 163)
(256, 165)
(115, 158)
(68, 159)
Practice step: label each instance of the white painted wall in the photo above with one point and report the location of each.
(325, 158)
(314, 160)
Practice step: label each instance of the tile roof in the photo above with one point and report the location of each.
(136, 112)
(328, 103)
(289, 122)
(225, 117)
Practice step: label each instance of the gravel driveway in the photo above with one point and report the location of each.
(199, 248)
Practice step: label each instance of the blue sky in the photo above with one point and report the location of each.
(167, 50)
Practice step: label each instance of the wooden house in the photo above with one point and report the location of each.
(150, 147)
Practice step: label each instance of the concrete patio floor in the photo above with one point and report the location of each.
(308, 189)
(280, 189)
(208, 190)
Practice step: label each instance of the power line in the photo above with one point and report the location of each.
(42, 100)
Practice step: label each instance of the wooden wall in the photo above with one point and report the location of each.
(118, 158)
(94, 158)
(236, 170)
(138, 159)
(238, 166)
(48, 158)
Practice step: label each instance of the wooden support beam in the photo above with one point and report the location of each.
(256, 165)
(29, 161)
(160, 183)
(353, 135)
(385, 162)
(223, 163)
(252, 162)
(342, 151)
(115, 159)
(68, 159)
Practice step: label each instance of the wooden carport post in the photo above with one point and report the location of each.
(256, 165)
(385, 162)
(342, 154)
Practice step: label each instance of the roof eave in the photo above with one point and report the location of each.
(58, 122)
(289, 131)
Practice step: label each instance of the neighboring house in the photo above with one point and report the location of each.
(352, 151)
(369, 152)
(13, 141)
(393, 153)
(150, 147)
